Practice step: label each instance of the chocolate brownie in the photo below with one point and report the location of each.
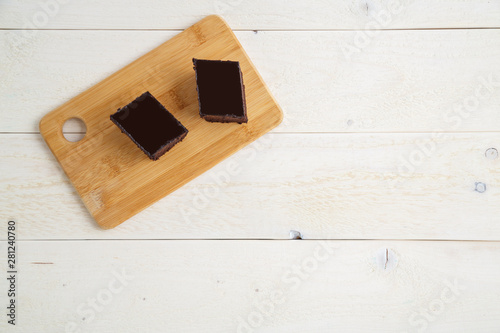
(221, 93)
(150, 126)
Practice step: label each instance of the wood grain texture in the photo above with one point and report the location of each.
(335, 186)
(257, 14)
(214, 286)
(403, 81)
(113, 177)
(331, 186)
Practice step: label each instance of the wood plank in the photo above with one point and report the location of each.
(114, 178)
(304, 286)
(403, 81)
(260, 14)
(333, 186)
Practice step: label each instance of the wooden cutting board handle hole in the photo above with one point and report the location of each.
(74, 129)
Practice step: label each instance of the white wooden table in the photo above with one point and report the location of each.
(386, 163)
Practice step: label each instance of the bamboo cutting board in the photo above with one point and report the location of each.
(114, 178)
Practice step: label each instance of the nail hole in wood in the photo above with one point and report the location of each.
(491, 153)
(295, 234)
(480, 187)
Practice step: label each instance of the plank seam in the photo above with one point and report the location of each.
(258, 30)
(259, 239)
